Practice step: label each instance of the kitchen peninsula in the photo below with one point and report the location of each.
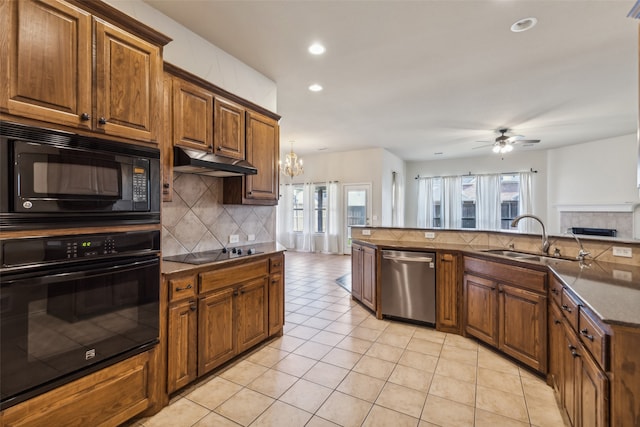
(574, 321)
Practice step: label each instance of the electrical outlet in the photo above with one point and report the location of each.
(234, 238)
(251, 237)
(366, 232)
(429, 235)
(627, 276)
(623, 252)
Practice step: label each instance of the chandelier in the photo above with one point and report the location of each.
(292, 164)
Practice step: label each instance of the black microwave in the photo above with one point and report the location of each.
(50, 178)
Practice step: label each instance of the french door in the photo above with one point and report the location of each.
(357, 209)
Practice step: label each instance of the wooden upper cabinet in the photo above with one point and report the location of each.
(128, 84)
(192, 116)
(263, 149)
(52, 48)
(229, 122)
(46, 67)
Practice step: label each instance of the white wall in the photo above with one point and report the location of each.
(512, 162)
(196, 55)
(391, 163)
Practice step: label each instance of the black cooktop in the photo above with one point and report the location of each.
(212, 256)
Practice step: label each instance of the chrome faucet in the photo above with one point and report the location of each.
(545, 239)
(582, 254)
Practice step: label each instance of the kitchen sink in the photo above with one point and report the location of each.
(524, 256)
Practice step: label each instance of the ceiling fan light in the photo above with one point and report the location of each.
(496, 149)
(508, 148)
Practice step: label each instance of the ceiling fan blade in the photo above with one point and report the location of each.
(483, 146)
(515, 138)
(526, 141)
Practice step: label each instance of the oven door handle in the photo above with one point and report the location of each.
(44, 277)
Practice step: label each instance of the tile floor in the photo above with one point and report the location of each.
(337, 365)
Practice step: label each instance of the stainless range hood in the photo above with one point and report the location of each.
(201, 163)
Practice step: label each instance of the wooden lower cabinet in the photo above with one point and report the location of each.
(357, 266)
(481, 308)
(556, 336)
(216, 334)
(276, 306)
(364, 277)
(252, 315)
(183, 333)
(447, 292)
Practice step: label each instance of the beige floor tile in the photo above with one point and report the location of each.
(344, 410)
(325, 374)
(383, 417)
(297, 318)
(384, 352)
(320, 422)
(460, 354)
(538, 389)
(181, 413)
(214, 392)
(340, 328)
(313, 350)
(365, 333)
(500, 381)
(417, 360)
(356, 345)
(318, 323)
(287, 343)
(343, 358)
(303, 332)
(373, 323)
(308, 311)
(502, 403)
(489, 419)
(424, 346)
(446, 413)
(361, 386)
(457, 370)
(453, 389)
(401, 329)
(430, 335)
(330, 315)
(389, 337)
(267, 356)
(426, 424)
(273, 383)
(328, 338)
(461, 342)
(215, 420)
(543, 413)
(402, 399)
(490, 360)
(281, 414)
(374, 367)
(339, 308)
(295, 364)
(411, 377)
(244, 372)
(244, 406)
(306, 395)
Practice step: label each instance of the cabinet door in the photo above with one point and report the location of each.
(593, 393)
(252, 313)
(369, 277)
(357, 265)
(46, 66)
(128, 84)
(216, 335)
(556, 347)
(523, 320)
(276, 304)
(192, 116)
(481, 308)
(182, 345)
(447, 290)
(228, 135)
(569, 389)
(263, 147)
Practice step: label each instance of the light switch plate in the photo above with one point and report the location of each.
(251, 237)
(429, 235)
(234, 238)
(622, 252)
(366, 232)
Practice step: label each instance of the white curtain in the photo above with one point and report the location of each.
(425, 202)
(452, 202)
(331, 240)
(488, 202)
(524, 204)
(284, 212)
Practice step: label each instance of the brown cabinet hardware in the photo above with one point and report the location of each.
(585, 333)
(565, 307)
(193, 306)
(102, 121)
(179, 288)
(85, 117)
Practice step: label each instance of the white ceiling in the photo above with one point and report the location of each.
(422, 77)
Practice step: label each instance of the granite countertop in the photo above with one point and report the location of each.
(264, 249)
(611, 291)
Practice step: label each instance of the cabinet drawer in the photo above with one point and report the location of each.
(216, 279)
(522, 277)
(593, 338)
(182, 288)
(569, 308)
(555, 290)
(276, 264)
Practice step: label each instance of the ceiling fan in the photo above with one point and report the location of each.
(504, 143)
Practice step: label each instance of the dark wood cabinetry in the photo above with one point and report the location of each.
(364, 275)
(217, 341)
(192, 116)
(448, 290)
(54, 74)
(229, 125)
(506, 307)
(276, 295)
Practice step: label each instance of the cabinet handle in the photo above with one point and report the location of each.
(572, 347)
(250, 192)
(178, 289)
(575, 353)
(219, 148)
(565, 307)
(554, 291)
(242, 292)
(166, 185)
(235, 293)
(274, 280)
(102, 121)
(557, 322)
(585, 333)
(85, 117)
(192, 306)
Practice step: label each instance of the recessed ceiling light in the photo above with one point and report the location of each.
(524, 25)
(439, 153)
(315, 87)
(316, 49)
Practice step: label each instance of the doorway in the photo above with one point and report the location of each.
(357, 209)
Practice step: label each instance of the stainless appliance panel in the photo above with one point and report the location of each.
(409, 285)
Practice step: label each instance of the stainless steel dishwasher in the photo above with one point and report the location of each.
(409, 285)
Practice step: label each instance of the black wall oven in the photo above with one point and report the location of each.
(72, 305)
(51, 178)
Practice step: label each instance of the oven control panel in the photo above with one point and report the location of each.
(30, 251)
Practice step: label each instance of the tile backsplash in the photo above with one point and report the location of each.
(620, 221)
(196, 220)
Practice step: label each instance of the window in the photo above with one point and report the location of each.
(320, 209)
(298, 208)
(468, 202)
(437, 203)
(509, 199)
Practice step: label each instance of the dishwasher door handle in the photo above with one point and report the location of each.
(409, 259)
